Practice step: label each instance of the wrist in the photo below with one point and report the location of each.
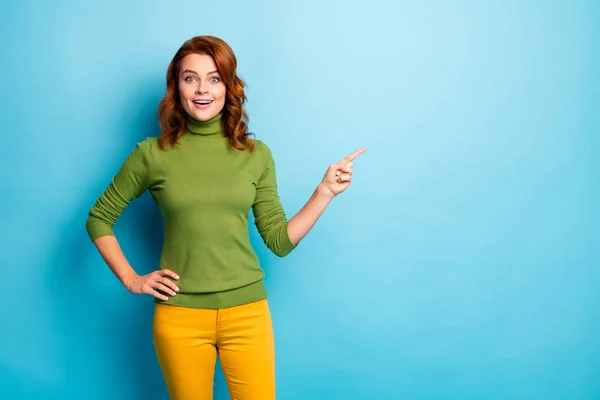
(127, 280)
(323, 192)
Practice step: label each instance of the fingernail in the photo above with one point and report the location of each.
(177, 289)
(177, 276)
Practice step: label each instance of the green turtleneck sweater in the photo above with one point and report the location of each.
(204, 190)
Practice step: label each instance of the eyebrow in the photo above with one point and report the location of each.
(194, 72)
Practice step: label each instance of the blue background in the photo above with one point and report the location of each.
(462, 263)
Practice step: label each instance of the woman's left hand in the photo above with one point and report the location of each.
(339, 175)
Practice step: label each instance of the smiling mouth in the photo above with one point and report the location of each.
(202, 102)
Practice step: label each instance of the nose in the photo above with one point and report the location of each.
(200, 88)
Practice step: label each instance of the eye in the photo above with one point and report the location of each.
(215, 79)
(189, 79)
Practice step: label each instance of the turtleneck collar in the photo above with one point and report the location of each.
(210, 128)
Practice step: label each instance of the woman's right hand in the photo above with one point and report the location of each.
(154, 281)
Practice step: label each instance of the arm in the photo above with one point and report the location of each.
(301, 223)
(336, 180)
(111, 252)
(129, 183)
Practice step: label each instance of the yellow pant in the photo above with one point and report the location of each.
(187, 341)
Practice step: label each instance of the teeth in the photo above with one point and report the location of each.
(202, 102)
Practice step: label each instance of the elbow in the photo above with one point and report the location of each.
(281, 252)
(89, 227)
(280, 243)
(97, 227)
(276, 238)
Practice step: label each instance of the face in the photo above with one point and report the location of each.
(201, 90)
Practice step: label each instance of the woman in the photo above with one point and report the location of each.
(205, 174)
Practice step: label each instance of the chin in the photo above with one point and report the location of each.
(201, 115)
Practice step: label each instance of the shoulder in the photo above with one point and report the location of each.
(144, 152)
(264, 155)
(149, 144)
(148, 147)
(261, 149)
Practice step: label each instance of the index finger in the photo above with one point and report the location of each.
(168, 272)
(353, 155)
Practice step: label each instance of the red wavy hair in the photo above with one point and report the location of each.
(172, 116)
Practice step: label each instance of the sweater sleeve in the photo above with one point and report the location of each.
(130, 182)
(269, 216)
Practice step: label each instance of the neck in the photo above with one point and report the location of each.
(212, 127)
